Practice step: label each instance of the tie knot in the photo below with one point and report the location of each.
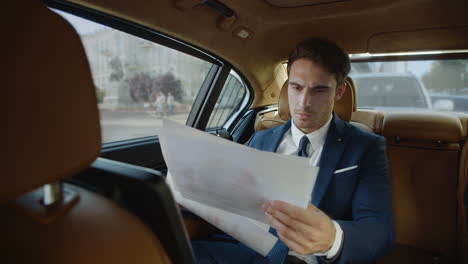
(302, 150)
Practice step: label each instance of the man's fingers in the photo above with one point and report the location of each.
(310, 229)
(292, 245)
(307, 216)
(292, 211)
(280, 227)
(298, 226)
(287, 232)
(294, 242)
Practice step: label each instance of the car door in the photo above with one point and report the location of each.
(143, 76)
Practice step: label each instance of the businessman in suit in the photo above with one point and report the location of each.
(349, 218)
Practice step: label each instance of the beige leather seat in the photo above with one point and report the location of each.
(462, 195)
(53, 132)
(423, 151)
(343, 108)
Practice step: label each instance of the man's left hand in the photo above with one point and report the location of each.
(305, 231)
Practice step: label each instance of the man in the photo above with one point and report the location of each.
(160, 104)
(349, 219)
(170, 104)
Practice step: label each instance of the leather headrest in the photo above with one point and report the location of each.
(52, 118)
(283, 103)
(423, 126)
(464, 121)
(343, 107)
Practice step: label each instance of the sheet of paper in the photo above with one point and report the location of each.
(251, 233)
(230, 176)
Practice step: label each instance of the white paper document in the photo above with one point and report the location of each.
(226, 183)
(250, 232)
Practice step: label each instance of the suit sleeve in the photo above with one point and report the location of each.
(250, 139)
(371, 232)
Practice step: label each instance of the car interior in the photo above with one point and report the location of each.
(85, 179)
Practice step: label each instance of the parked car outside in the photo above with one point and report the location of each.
(450, 102)
(391, 90)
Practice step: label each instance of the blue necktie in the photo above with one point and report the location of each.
(302, 150)
(278, 253)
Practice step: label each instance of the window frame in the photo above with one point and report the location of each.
(230, 123)
(208, 93)
(409, 57)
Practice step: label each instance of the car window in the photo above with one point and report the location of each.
(439, 85)
(229, 102)
(390, 90)
(137, 82)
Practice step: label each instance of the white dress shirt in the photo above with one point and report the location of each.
(289, 145)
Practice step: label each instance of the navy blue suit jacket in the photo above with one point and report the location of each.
(358, 199)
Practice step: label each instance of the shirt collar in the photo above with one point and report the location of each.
(316, 138)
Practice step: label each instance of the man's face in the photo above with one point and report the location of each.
(312, 93)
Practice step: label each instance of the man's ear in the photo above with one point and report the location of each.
(340, 90)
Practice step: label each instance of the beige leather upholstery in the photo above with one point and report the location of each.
(91, 230)
(348, 101)
(283, 103)
(462, 217)
(462, 188)
(423, 151)
(343, 108)
(423, 126)
(269, 120)
(47, 88)
(370, 118)
(374, 119)
(464, 121)
(53, 132)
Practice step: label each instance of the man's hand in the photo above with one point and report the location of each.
(305, 231)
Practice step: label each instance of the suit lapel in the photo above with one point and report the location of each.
(276, 136)
(332, 151)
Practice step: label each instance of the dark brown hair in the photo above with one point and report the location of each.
(325, 53)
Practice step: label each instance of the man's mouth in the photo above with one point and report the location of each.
(303, 115)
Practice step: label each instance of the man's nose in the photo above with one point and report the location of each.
(305, 98)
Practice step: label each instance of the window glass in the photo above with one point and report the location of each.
(137, 81)
(229, 102)
(438, 85)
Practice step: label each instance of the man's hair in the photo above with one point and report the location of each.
(325, 53)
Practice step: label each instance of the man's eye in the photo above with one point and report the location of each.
(320, 90)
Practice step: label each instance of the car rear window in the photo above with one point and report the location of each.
(390, 91)
(437, 85)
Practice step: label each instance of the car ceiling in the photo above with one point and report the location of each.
(359, 26)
